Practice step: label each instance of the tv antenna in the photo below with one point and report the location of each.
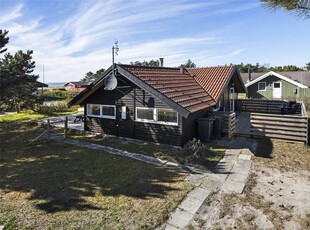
(115, 50)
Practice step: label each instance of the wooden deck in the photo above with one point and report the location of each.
(243, 124)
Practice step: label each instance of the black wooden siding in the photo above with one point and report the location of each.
(190, 125)
(167, 134)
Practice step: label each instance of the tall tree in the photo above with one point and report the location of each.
(301, 8)
(308, 66)
(3, 40)
(188, 64)
(17, 81)
(90, 76)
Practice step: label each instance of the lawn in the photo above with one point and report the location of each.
(194, 153)
(56, 186)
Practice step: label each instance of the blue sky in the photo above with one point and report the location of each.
(72, 37)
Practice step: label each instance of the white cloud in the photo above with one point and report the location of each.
(11, 15)
(82, 41)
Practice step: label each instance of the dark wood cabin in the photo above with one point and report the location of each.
(157, 104)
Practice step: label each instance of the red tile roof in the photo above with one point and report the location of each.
(212, 79)
(181, 88)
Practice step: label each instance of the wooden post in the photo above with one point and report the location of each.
(48, 129)
(66, 127)
(229, 126)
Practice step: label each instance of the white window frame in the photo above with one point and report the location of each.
(101, 115)
(155, 119)
(261, 82)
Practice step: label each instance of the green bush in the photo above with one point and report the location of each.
(59, 108)
(57, 95)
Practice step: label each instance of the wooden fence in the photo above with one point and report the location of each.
(263, 106)
(228, 124)
(287, 127)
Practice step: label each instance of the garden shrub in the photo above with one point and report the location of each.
(60, 107)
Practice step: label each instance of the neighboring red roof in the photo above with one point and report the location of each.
(213, 79)
(179, 87)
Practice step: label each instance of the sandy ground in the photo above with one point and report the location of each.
(274, 198)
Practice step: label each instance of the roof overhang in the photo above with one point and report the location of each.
(80, 98)
(272, 73)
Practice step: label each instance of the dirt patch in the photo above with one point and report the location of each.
(276, 194)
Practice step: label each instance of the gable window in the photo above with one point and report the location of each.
(156, 115)
(262, 86)
(102, 111)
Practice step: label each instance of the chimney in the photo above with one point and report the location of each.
(161, 60)
(182, 70)
(249, 75)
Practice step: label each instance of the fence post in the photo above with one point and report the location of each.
(66, 127)
(251, 127)
(48, 129)
(229, 126)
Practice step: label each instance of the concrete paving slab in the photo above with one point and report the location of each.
(232, 152)
(180, 218)
(190, 204)
(244, 157)
(199, 194)
(220, 177)
(211, 185)
(186, 168)
(229, 158)
(195, 179)
(242, 166)
(230, 186)
(239, 177)
(146, 159)
(223, 167)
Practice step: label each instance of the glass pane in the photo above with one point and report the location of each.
(261, 86)
(94, 110)
(165, 115)
(108, 111)
(276, 85)
(146, 114)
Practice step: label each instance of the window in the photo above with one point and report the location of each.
(158, 116)
(104, 111)
(262, 86)
(145, 114)
(277, 85)
(93, 109)
(167, 115)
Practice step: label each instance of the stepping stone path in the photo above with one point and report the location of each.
(229, 176)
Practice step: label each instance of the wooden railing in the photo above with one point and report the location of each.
(228, 124)
(263, 106)
(287, 127)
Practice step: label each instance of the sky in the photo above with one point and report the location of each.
(72, 37)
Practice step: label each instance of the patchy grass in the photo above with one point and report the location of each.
(58, 186)
(283, 155)
(28, 115)
(194, 153)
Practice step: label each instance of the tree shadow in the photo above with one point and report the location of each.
(62, 177)
(260, 147)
